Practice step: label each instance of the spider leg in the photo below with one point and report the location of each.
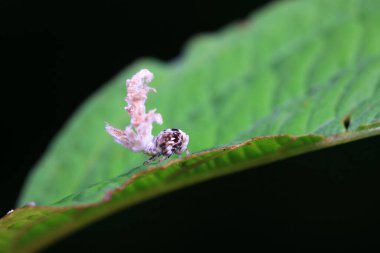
(163, 158)
(151, 159)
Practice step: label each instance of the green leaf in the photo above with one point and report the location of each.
(285, 70)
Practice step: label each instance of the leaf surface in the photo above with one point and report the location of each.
(282, 71)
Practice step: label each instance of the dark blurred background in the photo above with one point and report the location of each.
(55, 54)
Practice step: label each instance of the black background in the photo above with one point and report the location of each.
(55, 54)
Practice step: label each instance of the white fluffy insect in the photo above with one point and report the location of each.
(138, 135)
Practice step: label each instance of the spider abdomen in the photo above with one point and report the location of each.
(171, 141)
